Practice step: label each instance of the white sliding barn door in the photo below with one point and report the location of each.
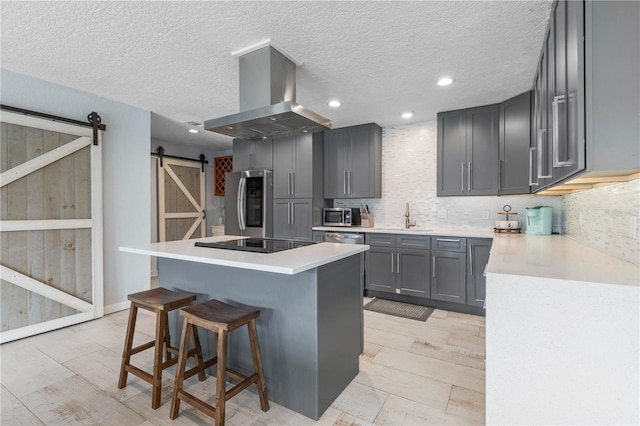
(50, 225)
(181, 200)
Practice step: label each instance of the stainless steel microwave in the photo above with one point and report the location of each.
(341, 216)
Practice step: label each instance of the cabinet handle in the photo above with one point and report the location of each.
(469, 177)
(448, 240)
(289, 183)
(293, 182)
(531, 182)
(557, 100)
(398, 267)
(344, 182)
(433, 266)
(288, 214)
(349, 181)
(462, 177)
(500, 162)
(392, 263)
(471, 259)
(541, 132)
(293, 217)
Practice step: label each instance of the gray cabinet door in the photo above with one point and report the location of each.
(413, 270)
(283, 149)
(301, 219)
(478, 256)
(263, 155)
(482, 150)
(360, 175)
(448, 276)
(302, 166)
(515, 141)
(242, 155)
(335, 163)
(452, 147)
(380, 269)
(282, 218)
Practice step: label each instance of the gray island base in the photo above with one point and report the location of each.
(310, 326)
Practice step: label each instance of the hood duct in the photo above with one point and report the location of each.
(268, 107)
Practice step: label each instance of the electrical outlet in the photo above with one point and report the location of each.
(485, 214)
(442, 213)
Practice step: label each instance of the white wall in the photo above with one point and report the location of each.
(409, 174)
(126, 147)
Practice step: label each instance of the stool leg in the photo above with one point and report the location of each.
(167, 337)
(199, 360)
(157, 360)
(257, 363)
(221, 377)
(128, 344)
(182, 362)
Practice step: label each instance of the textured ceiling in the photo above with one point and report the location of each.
(378, 58)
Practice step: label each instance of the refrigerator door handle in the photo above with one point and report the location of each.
(241, 204)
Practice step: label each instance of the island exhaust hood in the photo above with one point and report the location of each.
(268, 107)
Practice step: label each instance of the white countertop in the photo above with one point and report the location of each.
(285, 262)
(558, 257)
(472, 233)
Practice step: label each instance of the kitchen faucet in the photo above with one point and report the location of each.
(407, 221)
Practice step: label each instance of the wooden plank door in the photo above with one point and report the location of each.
(181, 200)
(50, 225)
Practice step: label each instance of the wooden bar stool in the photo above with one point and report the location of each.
(221, 319)
(161, 301)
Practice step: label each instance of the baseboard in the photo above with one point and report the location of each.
(121, 306)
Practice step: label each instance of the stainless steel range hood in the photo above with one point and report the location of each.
(268, 107)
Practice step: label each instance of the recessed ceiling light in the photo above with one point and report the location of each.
(194, 131)
(445, 81)
(334, 104)
(407, 114)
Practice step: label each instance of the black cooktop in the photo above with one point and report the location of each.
(256, 245)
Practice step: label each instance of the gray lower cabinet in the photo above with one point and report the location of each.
(353, 162)
(448, 268)
(515, 143)
(398, 264)
(478, 255)
(318, 236)
(252, 155)
(293, 219)
(468, 151)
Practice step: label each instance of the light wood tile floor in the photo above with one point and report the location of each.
(411, 373)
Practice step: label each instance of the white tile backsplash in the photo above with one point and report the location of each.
(607, 219)
(409, 174)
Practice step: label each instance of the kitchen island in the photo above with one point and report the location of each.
(310, 301)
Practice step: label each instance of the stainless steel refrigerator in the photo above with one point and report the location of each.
(248, 203)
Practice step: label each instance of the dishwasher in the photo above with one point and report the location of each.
(344, 237)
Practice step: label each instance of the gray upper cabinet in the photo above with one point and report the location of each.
(293, 167)
(478, 256)
(586, 110)
(251, 155)
(515, 142)
(353, 162)
(468, 151)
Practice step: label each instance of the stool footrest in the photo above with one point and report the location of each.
(196, 402)
(138, 372)
(143, 347)
(195, 370)
(241, 386)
